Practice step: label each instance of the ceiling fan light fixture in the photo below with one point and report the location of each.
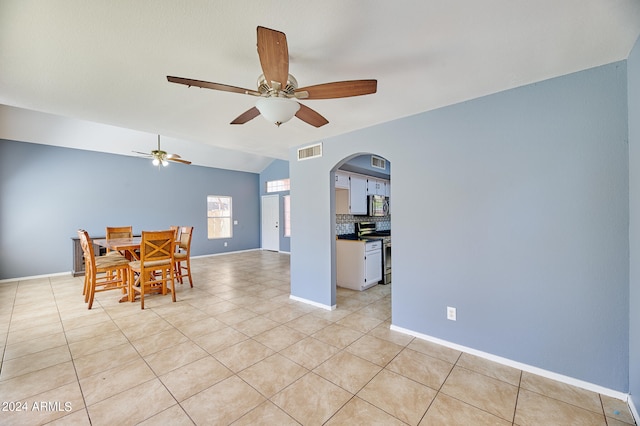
(155, 162)
(277, 110)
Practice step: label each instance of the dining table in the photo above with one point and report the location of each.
(130, 247)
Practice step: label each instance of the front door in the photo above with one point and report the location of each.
(271, 222)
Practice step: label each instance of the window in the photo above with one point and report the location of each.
(287, 215)
(218, 216)
(278, 185)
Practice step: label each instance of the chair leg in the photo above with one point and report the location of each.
(189, 272)
(132, 283)
(87, 282)
(173, 286)
(178, 271)
(91, 293)
(86, 290)
(143, 283)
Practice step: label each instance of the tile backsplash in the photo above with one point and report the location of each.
(345, 223)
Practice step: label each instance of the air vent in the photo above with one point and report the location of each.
(308, 152)
(378, 163)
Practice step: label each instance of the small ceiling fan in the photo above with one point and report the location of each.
(162, 158)
(278, 90)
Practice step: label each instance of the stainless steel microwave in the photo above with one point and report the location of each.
(378, 205)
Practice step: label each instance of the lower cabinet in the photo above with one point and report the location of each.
(358, 264)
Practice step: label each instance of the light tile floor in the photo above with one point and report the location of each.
(236, 350)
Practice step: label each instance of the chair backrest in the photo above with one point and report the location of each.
(176, 230)
(156, 245)
(185, 238)
(119, 232)
(87, 250)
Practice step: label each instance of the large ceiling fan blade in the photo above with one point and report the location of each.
(210, 85)
(179, 160)
(274, 55)
(340, 89)
(146, 154)
(246, 116)
(310, 116)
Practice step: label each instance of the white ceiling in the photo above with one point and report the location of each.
(95, 71)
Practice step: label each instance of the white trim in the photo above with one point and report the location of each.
(279, 251)
(524, 367)
(35, 277)
(634, 411)
(312, 303)
(59, 274)
(223, 253)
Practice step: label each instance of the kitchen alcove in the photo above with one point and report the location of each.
(359, 180)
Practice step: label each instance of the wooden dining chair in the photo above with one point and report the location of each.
(183, 254)
(155, 269)
(176, 229)
(102, 273)
(112, 232)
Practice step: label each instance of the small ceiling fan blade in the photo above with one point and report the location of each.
(310, 116)
(179, 160)
(146, 154)
(340, 89)
(274, 55)
(210, 85)
(172, 156)
(248, 115)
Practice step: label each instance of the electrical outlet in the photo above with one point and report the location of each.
(451, 313)
(225, 243)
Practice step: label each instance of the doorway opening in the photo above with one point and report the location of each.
(361, 215)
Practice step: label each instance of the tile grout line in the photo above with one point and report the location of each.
(75, 370)
(6, 339)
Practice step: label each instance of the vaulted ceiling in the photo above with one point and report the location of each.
(92, 74)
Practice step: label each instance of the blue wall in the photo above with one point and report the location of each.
(49, 192)
(633, 64)
(513, 208)
(278, 169)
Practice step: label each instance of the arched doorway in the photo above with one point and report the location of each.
(361, 252)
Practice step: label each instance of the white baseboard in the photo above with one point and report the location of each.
(35, 277)
(58, 274)
(223, 253)
(520, 366)
(634, 410)
(312, 303)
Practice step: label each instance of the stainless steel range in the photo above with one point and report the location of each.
(367, 230)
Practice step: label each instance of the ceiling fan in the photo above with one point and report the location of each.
(161, 157)
(278, 90)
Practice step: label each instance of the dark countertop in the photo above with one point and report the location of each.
(373, 237)
(348, 237)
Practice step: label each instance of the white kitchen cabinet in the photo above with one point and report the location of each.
(357, 194)
(342, 180)
(377, 186)
(358, 264)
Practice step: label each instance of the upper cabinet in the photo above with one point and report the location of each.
(377, 186)
(352, 190)
(342, 180)
(358, 194)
